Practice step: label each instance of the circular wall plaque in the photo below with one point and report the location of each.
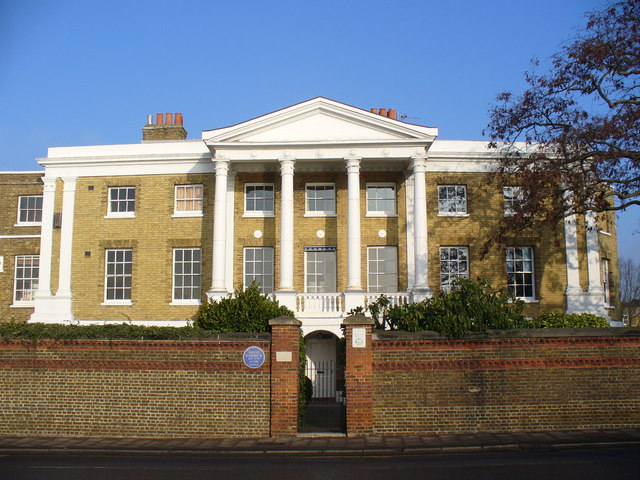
(253, 357)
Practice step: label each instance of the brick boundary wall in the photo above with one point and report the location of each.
(520, 380)
(134, 388)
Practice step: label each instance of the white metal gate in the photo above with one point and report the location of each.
(323, 378)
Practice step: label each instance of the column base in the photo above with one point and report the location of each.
(53, 309)
(421, 294)
(353, 299)
(592, 301)
(287, 298)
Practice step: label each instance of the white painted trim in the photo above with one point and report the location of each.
(177, 303)
(188, 215)
(604, 233)
(26, 224)
(287, 229)
(19, 236)
(354, 250)
(218, 264)
(64, 295)
(46, 238)
(29, 304)
(141, 323)
(453, 214)
(111, 303)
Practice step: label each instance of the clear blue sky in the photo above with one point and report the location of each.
(83, 72)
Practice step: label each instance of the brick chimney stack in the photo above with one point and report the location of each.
(167, 127)
(391, 113)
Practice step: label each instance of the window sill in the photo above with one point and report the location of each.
(121, 215)
(453, 214)
(320, 214)
(258, 215)
(604, 233)
(28, 224)
(176, 303)
(610, 307)
(381, 215)
(528, 300)
(108, 303)
(22, 305)
(187, 215)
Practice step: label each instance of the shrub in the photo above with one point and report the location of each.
(568, 320)
(245, 311)
(468, 307)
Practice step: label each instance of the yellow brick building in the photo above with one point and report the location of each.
(325, 205)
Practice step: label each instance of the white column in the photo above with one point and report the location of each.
(66, 237)
(231, 187)
(574, 291)
(354, 256)
(285, 284)
(46, 237)
(218, 287)
(421, 288)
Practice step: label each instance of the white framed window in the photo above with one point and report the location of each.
(381, 199)
(320, 269)
(187, 276)
(27, 270)
(454, 263)
(382, 266)
(118, 275)
(29, 210)
(258, 267)
(258, 199)
(520, 272)
(188, 200)
(320, 199)
(452, 200)
(606, 281)
(513, 197)
(122, 202)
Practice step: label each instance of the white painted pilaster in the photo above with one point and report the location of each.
(231, 187)
(218, 283)
(46, 237)
(66, 237)
(411, 271)
(573, 292)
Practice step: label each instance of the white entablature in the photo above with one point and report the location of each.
(320, 129)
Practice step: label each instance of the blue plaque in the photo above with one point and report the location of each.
(253, 357)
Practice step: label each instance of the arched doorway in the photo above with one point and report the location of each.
(325, 374)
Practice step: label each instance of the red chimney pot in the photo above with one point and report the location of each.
(383, 112)
(178, 119)
(159, 120)
(392, 113)
(374, 110)
(169, 118)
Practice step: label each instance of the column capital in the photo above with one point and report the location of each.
(287, 165)
(353, 164)
(221, 165)
(419, 163)
(49, 183)
(69, 183)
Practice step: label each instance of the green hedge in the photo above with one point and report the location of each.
(567, 320)
(124, 331)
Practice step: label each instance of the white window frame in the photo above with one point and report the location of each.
(452, 276)
(513, 287)
(375, 273)
(271, 275)
(444, 200)
(308, 250)
(117, 301)
(28, 223)
(511, 200)
(176, 200)
(124, 214)
(192, 275)
(33, 279)
(381, 213)
(260, 213)
(319, 213)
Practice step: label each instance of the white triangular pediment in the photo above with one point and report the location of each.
(319, 121)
